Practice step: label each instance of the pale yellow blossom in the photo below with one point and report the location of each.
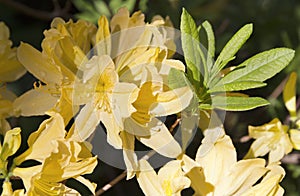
(169, 181)
(270, 138)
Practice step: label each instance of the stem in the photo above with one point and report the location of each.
(124, 173)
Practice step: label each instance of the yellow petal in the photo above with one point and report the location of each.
(103, 41)
(161, 140)
(121, 20)
(148, 179)
(11, 143)
(26, 174)
(112, 129)
(85, 123)
(129, 155)
(10, 68)
(295, 138)
(197, 177)
(38, 65)
(124, 95)
(218, 159)
(41, 142)
(289, 95)
(4, 31)
(91, 186)
(243, 175)
(7, 189)
(172, 177)
(258, 148)
(172, 102)
(35, 102)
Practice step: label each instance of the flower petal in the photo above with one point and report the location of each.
(161, 140)
(38, 64)
(148, 179)
(289, 95)
(172, 102)
(35, 102)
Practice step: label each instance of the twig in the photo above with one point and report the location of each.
(278, 89)
(293, 158)
(123, 174)
(38, 14)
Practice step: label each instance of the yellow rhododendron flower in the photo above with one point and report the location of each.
(64, 48)
(10, 67)
(127, 78)
(60, 160)
(216, 170)
(61, 165)
(169, 181)
(270, 138)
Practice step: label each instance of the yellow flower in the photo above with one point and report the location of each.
(10, 68)
(169, 180)
(270, 138)
(60, 160)
(109, 101)
(64, 48)
(216, 170)
(62, 164)
(137, 56)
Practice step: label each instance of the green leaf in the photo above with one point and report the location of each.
(235, 103)
(211, 43)
(232, 46)
(236, 86)
(190, 45)
(260, 67)
(177, 79)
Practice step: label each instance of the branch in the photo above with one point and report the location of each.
(293, 158)
(38, 14)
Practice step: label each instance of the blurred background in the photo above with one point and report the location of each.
(276, 24)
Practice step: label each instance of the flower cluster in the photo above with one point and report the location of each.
(121, 75)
